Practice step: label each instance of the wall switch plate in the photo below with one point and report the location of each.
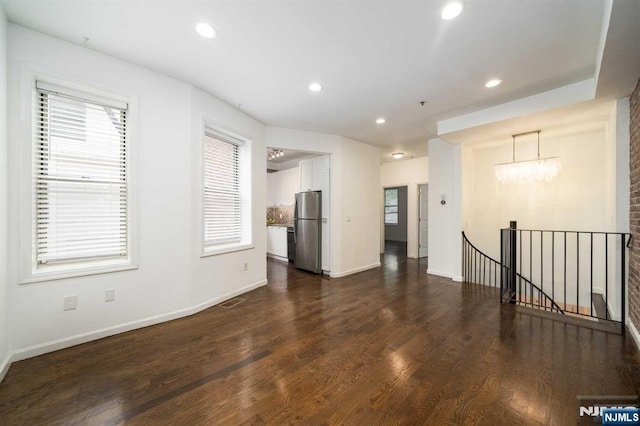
(110, 295)
(245, 266)
(70, 303)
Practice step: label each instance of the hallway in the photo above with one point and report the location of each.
(390, 345)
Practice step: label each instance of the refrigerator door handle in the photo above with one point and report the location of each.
(295, 226)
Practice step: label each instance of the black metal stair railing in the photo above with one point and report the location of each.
(479, 268)
(584, 273)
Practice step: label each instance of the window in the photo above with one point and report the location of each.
(391, 206)
(226, 192)
(80, 177)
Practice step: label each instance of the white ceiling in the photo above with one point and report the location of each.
(373, 57)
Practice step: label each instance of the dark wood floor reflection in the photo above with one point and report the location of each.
(390, 345)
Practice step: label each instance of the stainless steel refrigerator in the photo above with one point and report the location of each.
(307, 229)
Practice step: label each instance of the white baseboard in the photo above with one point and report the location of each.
(273, 256)
(439, 273)
(634, 332)
(78, 339)
(458, 278)
(4, 366)
(355, 270)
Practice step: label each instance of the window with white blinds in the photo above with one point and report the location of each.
(222, 197)
(80, 174)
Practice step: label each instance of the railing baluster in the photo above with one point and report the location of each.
(578, 272)
(520, 268)
(484, 263)
(606, 276)
(531, 266)
(553, 263)
(591, 276)
(565, 270)
(623, 278)
(541, 263)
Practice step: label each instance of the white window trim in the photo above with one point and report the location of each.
(247, 144)
(29, 272)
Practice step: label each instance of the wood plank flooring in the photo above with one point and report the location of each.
(387, 346)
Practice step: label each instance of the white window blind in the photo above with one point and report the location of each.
(222, 198)
(80, 167)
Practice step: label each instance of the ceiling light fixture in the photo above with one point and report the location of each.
(540, 169)
(381, 120)
(315, 87)
(492, 83)
(451, 10)
(205, 30)
(397, 155)
(275, 153)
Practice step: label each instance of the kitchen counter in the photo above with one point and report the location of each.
(281, 225)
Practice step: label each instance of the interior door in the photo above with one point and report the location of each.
(423, 224)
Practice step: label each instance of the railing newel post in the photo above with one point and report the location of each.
(512, 262)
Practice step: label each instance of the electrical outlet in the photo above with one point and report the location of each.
(245, 267)
(110, 295)
(70, 303)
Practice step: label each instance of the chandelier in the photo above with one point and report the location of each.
(538, 170)
(275, 153)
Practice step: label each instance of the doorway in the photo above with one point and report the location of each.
(423, 223)
(395, 219)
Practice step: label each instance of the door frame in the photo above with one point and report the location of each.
(418, 185)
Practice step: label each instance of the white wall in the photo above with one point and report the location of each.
(411, 173)
(215, 277)
(4, 338)
(360, 215)
(620, 121)
(355, 213)
(445, 221)
(172, 280)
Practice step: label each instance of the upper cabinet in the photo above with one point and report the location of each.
(272, 188)
(282, 187)
(312, 172)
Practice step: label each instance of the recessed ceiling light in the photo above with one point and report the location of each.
(315, 87)
(493, 83)
(205, 30)
(451, 10)
(397, 155)
(381, 120)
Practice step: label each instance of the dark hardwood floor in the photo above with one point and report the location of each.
(386, 346)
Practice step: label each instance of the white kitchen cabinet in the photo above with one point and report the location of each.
(306, 175)
(311, 172)
(289, 184)
(269, 239)
(277, 241)
(282, 186)
(326, 245)
(272, 188)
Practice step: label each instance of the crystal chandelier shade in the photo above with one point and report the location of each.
(538, 170)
